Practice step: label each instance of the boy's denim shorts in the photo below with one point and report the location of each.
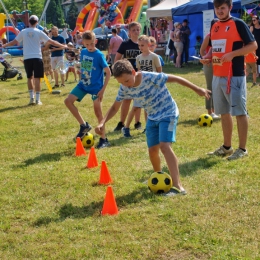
(163, 130)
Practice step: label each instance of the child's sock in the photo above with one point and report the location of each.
(31, 93)
(37, 95)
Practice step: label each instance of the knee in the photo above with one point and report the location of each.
(164, 147)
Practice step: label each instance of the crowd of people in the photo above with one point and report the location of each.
(138, 70)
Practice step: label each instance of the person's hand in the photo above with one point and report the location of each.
(205, 61)
(100, 95)
(99, 129)
(203, 92)
(227, 57)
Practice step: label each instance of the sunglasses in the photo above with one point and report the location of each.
(254, 20)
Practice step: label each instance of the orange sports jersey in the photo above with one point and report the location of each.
(226, 37)
(250, 58)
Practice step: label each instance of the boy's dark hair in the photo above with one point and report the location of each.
(88, 35)
(114, 30)
(218, 3)
(133, 24)
(122, 67)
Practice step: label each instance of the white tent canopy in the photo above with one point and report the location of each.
(245, 2)
(164, 8)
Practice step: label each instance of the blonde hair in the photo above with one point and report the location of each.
(133, 24)
(88, 35)
(152, 39)
(144, 38)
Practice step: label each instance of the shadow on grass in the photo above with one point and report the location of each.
(190, 122)
(12, 108)
(94, 208)
(45, 157)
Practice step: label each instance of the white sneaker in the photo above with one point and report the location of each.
(239, 153)
(38, 102)
(32, 102)
(221, 151)
(214, 116)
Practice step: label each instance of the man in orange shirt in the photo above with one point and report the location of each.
(231, 40)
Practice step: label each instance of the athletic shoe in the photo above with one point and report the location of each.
(173, 192)
(62, 85)
(126, 132)
(138, 126)
(55, 86)
(84, 129)
(239, 153)
(214, 116)
(102, 143)
(38, 103)
(119, 126)
(254, 84)
(221, 151)
(32, 102)
(144, 131)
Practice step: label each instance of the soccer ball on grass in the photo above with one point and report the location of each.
(88, 140)
(159, 182)
(205, 120)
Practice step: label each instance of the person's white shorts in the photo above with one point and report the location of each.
(55, 61)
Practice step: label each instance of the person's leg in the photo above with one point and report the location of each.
(155, 157)
(187, 46)
(138, 117)
(227, 128)
(37, 83)
(55, 72)
(208, 72)
(69, 102)
(99, 115)
(242, 128)
(172, 163)
(130, 116)
(125, 109)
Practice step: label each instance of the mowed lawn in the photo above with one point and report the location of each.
(50, 202)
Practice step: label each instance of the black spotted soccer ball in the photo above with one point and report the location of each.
(159, 182)
(88, 140)
(205, 120)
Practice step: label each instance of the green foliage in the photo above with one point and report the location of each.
(72, 15)
(54, 14)
(50, 202)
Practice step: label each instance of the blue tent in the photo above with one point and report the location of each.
(193, 12)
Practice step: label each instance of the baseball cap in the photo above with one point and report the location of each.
(185, 21)
(34, 18)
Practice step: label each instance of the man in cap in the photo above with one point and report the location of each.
(185, 31)
(32, 55)
(122, 32)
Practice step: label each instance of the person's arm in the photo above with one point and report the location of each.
(188, 84)
(118, 56)
(101, 92)
(172, 36)
(204, 45)
(250, 47)
(11, 43)
(251, 29)
(111, 112)
(60, 46)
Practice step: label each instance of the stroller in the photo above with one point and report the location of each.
(9, 71)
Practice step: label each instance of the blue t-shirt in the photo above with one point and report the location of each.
(161, 60)
(153, 95)
(123, 34)
(92, 71)
(58, 53)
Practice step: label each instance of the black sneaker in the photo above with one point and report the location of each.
(102, 143)
(144, 131)
(138, 126)
(84, 129)
(126, 132)
(119, 126)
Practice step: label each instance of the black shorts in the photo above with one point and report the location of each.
(34, 67)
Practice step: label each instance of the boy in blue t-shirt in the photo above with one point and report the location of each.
(150, 90)
(93, 65)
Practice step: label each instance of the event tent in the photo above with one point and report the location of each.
(163, 9)
(193, 11)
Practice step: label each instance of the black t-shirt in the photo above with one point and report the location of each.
(130, 51)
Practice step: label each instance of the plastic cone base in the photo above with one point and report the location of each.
(79, 148)
(105, 177)
(109, 206)
(92, 159)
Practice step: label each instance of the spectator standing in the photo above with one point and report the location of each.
(57, 55)
(178, 43)
(121, 32)
(251, 66)
(185, 32)
(32, 55)
(255, 30)
(114, 44)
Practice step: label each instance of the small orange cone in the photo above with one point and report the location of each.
(104, 174)
(79, 148)
(109, 206)
(92, 159)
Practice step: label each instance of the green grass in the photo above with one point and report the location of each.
(50, 202)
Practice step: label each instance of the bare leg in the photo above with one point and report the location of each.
(227, 127)
(99, 115)
(69, 102)
(242, 127)
(155, 157)
(124, 109)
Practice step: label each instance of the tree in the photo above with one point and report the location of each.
(154, 2)
(72, 15)
(54, 13)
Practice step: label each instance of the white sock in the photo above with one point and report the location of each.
(37, 95)
(31, 94)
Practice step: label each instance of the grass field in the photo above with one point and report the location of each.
(50, 202)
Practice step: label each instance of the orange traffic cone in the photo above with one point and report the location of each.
(92, 159)
(109, 206)
(79, 148)
(104, 174)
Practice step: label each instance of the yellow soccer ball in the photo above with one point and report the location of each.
(88, 140)
(159, 182)
(205, 120)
